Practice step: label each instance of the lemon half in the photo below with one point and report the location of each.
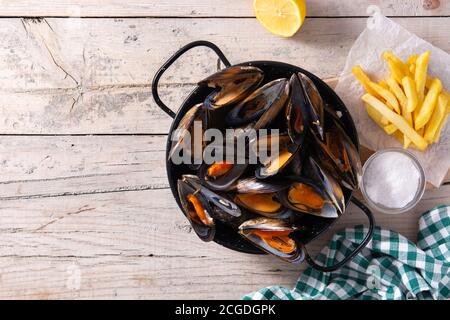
(281, 17)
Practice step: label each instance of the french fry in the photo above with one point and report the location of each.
(428, 82)
(399, 136)
(388, 55)
(411, 62)
(396, 120)
(420, 75)
(409, 105)
(396, 72)
(376, 116)
(436, 118)
(403, 100)
(412, 59)
(406, 140)
(383, 84)
(439, 129)
(390, 129)
(411, 93)
(397, 91)
(447, 94)
(390, 98)
(429, 103)
(421, 131)
(364, 79)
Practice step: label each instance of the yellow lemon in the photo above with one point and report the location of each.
(281, 17)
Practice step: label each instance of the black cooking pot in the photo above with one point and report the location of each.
(272, 70)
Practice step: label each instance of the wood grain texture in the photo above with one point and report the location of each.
(211, 8)
(138, 245)
(53, 166)
(65, 76)
(100, 205)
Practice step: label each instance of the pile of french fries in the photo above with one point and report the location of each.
(409, 104)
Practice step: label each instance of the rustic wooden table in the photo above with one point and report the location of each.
(85, 209)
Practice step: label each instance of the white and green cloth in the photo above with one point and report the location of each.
(390, 267)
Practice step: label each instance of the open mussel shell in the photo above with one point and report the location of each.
(196, 210)
(274, 237)
(232, 84)
(254, 185)
(261, 197)
(262, 106)
(326, 182)
(221, 179)
(281, 154)
(295, 167)
(305, 196)
(188, 137)
(339, 155)
(314, 107)
(215, 200)
(296, 113)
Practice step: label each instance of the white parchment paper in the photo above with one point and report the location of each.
(384, 34)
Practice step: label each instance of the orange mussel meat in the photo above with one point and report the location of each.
(197, 211)
(219, 169)
(301, 195)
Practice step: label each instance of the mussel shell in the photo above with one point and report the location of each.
(204, 232)
(224, 182)
(262, 106)
(327, 183)
(231, 221)
(314, 105)
(214, 199)
(232, 85)
(276, 163)
(295, 167)
(253, 185)
(346, 166)
(328, 210)
(296, 113)
(268, 224)
(281, 213)
(185, 127)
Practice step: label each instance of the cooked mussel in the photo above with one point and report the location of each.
(187, 138)
(326, 182)
(262, 106)
(221, 175)
(254, 185)
(203, 206)
(274, 237)
(260, 197)
(281, 154)
(232, 84)
(296, 113)
(305, 196)
(338, 155)
(214, 199)
(196, 210)
(314, 107)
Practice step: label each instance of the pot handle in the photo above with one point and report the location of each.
(361, 246)
(172, 59)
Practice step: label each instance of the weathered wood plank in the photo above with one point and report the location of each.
(65, 76)
(138, 245)
(212, 8)
(51, 166)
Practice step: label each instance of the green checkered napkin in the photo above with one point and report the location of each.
(390, 267)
